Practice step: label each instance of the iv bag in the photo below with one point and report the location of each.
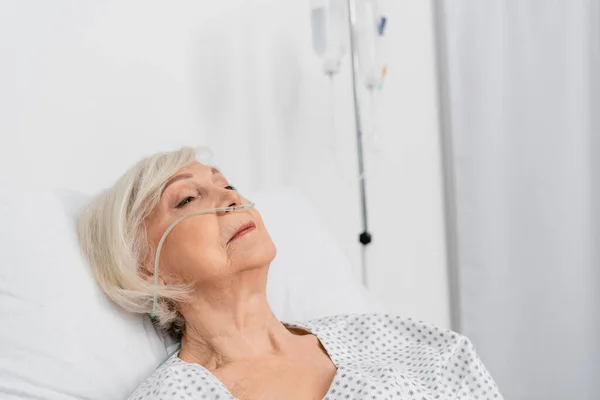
(369, 42)
(329, 32)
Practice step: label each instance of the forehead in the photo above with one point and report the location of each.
(197, 168)
(194, 171)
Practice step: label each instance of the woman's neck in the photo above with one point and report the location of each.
(231, 321)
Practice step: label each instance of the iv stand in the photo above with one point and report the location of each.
(365, 237)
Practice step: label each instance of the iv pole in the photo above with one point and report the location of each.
(365, 237)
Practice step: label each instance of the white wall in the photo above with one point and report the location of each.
(405, 193)
(86, 88)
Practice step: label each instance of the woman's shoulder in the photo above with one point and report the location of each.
(413, 352)
(178, 379)
(381, 323)
(380, 332)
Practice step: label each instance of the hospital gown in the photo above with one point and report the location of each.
(377, 357)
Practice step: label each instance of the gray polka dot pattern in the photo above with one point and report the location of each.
(378, 357)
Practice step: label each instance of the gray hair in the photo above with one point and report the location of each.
(113, 237)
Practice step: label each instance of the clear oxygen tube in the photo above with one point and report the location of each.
(240, 207)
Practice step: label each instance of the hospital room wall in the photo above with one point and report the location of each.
(86, 88)
(408, 253)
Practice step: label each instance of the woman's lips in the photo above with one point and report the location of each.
(242, 230)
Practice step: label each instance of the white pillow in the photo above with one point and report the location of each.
(61, 338)
(310, 276)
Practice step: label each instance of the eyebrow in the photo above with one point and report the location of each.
(175, 179)
(186, 176)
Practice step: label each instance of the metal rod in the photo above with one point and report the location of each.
(365, 237)
(363, 262)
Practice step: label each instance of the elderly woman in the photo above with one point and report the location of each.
(208, 287)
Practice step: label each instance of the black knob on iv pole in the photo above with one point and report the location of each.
(365, 237)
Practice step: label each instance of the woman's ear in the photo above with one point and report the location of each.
(146, 271)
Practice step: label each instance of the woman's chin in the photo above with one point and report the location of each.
(257, 255)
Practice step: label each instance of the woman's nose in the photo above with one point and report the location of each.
(230, 198)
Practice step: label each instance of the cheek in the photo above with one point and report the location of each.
(192, 252)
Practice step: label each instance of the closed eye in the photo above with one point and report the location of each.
(189, 199)
(185, 201)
